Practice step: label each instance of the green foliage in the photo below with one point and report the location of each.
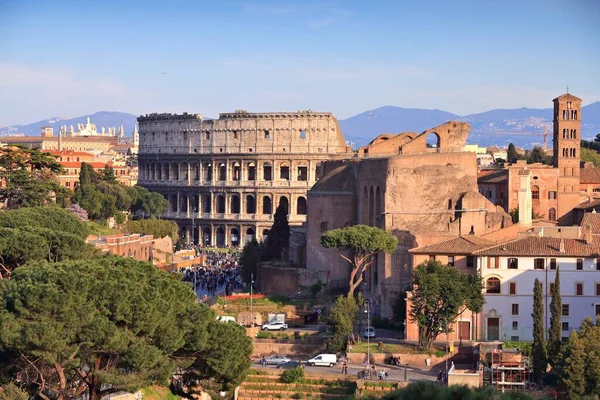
(30, 178)
(293, 375)
(364, 242)
(538, 349)
(537, 155)
(279, 235)
(252, 255)
(12, 392)
(593, 144)
(54, 218)
(514, 215)
(107, 325)
(441, 294)
(591, 156)
(524, 347)
(342, 317)
(146, 203)
(316, 288)
(572, 376)
(555, 332)
(512, 155)
(159, 228)
(426, 390)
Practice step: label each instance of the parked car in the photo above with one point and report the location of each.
(275, 360)
(325, 360)
(369, 333)
(290, 364)
(275, 326)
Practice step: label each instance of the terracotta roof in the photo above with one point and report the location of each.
(589, 205)
(492, 176)
(459, 245)
(567, 96)
(535, 246)
(77, 164)
(594, 220)
(68, 153)
(589, 175)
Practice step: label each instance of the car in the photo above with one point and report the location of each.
(290, 364)
(324, 360)
(275, 360)
(275, 326)
(369, 333)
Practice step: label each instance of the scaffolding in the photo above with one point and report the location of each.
(509, 370)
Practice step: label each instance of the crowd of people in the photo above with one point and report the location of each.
(219, 272)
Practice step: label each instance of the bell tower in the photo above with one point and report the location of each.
(567, 145)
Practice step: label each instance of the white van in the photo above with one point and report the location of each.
(325, 360)
(226, 318)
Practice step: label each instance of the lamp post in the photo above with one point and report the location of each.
(367, 310)
(251, 283)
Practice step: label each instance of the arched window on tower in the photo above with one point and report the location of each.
(575, 115)
(565, 134)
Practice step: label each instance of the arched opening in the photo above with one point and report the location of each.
(265, 234)
(371, 206)
(575, 114)
(317, 172)
(267, 206)
(206, 206)
(206, 236)
(284, 172)
(155, 171)
(196, 171)
(208, 173)
(222, 172)
(220, 237)
(174, 203)
(365, 206)
(194, 205)
(183, 203)
(284, 203)
(267, 172)
(378, 205)
(166, 172)
(175, 168)
(301, 206)
(234, 236)
(196, 235)
(237, 171)
(535, 193)
(250, 204)
(433, 140)
(235, 204)
(251, 172)
(552, 214)
(221, 204)
(324, 227)
(302, 173)
(184, 171)
(492, 285)
(250, 234)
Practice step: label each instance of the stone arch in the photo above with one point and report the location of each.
(196, 171)
(206, 203)
(221, 204)
(184, 175)
(234, 236)
(251, 171)
(208, 172)
(250, 234)
(174, 202)
(222, 172)
(285, 204)
(267, 172)
(236, 171)
(301, 206)
(250, 204)
(175, 168)
(183, 203)
(267, 205)
(166, 172)
(371, 206)
(378, 203)
(234, 206)
(206, 236)
(284, 171)
(433, 140)
(365, 205)
(265, 234)
(194, 204)
(220, 237)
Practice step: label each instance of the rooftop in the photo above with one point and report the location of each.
(535, 246)
(458, 245)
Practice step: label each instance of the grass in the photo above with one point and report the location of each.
(96, 229)
(158, 393)
(284, 335)
(392, 348)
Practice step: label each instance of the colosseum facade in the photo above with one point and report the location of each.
(224, 177)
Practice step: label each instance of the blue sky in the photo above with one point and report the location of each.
(70, 58)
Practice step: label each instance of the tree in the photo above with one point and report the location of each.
(441, 294)
(251, 256)
(537, 155)
(102, 326)
(555, 332)
(540, 360)
(591, 156)
(146, 203)
(512, 155)
(342, 317)
(159, 228)
(590, 336)
(278, 238)
(12, 392)
(363, 242)
(572, 377)
(109, 174)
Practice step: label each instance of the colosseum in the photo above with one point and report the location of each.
(224, 177)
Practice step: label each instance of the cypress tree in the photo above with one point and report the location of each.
(539, 342)
(511, 154)
(555, 332)
(279, 234)
(572, 377)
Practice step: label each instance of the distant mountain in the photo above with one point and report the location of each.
(524, 126)
(101, 118)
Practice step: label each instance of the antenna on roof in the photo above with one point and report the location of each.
(567, 89)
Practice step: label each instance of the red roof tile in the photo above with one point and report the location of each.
(459, 245)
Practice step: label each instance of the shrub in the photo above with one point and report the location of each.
(12, 392)
(297, 335)
(524, 347)
(293, 375)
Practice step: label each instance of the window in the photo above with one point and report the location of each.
(579, 289)
(451, 261)
(303, 173)
(514, 338)
(512, 288)
(538, 263)
(580, 263)
(565, 326)
(302, 134)
(535, 193)
(597, 264)
(431, 258)
(470, 261)
(552, 195)
(597, 289)
(207, 135)
(493, 262)
(324, 227)
(552, 214)
(267, 172)
(267, 134)
(251, 172)
(515, 325)
(513, 263)
(514, 309)
(492, 285)
(597, 310)
(284, 172)
(565, 310)
(553, 263)
(235, 134)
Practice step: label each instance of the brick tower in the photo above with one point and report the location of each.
(567, 139)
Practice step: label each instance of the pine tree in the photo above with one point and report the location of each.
(512, 154)
(539, 342)
(572, 377)
(278, 238)
(109, 174)
(555, 332)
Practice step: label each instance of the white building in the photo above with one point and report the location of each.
(510, 269)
